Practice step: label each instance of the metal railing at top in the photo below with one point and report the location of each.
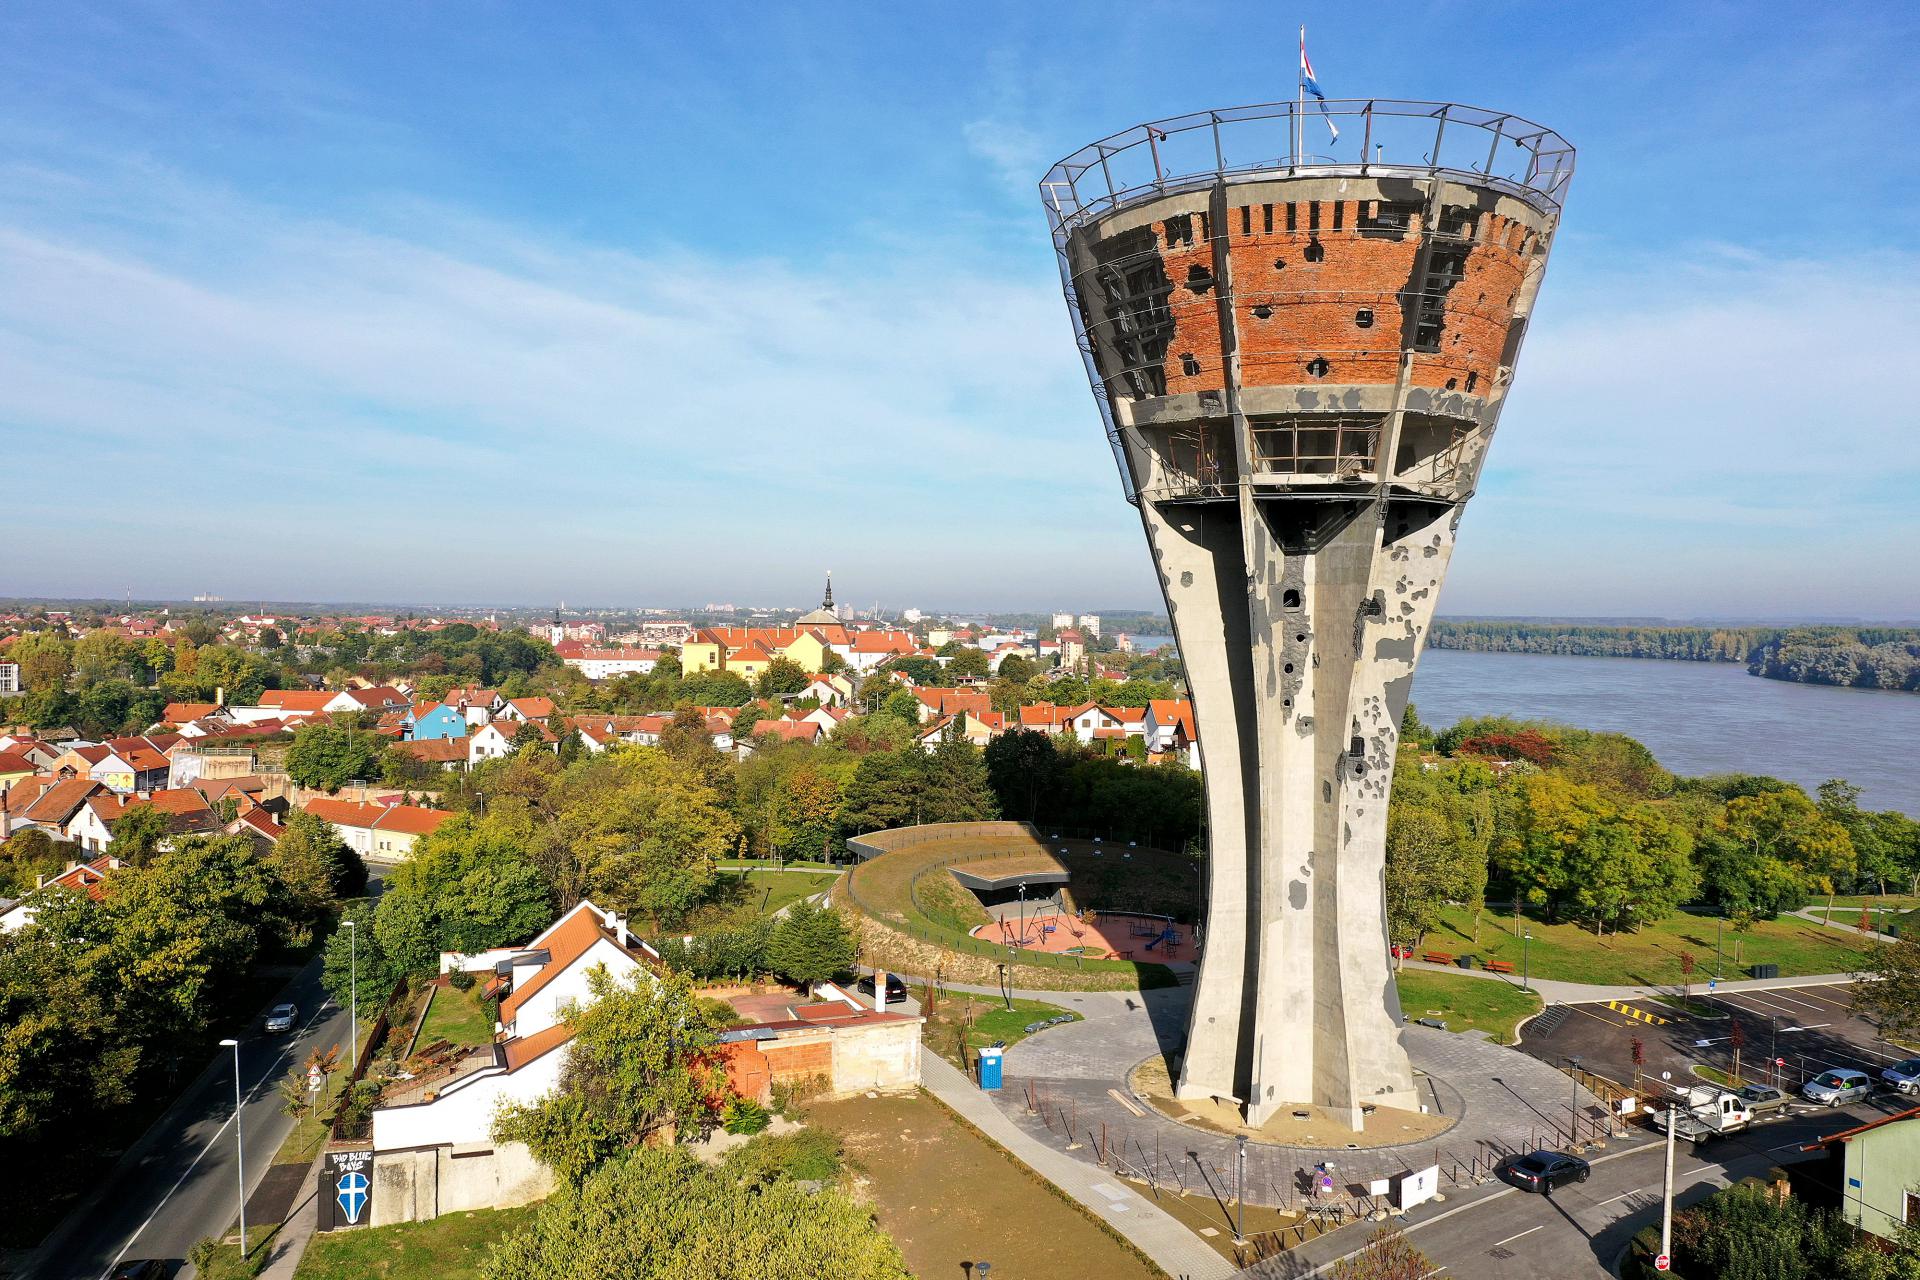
(1387, 137)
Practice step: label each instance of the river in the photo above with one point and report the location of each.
(1696, 717)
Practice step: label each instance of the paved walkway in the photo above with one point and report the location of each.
(1173, 1248)
(290, 1243)
(1586, 993)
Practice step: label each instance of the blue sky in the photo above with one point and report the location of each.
(648, 303)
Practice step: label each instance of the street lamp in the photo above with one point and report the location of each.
(1240, 1198)
(1573, 1103)
(1718, 926)
(353, 995)
(239, 1147)
(1526, 980)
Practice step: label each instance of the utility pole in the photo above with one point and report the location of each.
(1666, 1192)
(239, 1145)
(353, 997)
(1240, 1195)
(1526, 979)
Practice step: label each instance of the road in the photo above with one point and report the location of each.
(1578, 1232)
(179, 1183)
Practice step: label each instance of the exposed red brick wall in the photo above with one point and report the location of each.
(798, 1061)
(1313, 304)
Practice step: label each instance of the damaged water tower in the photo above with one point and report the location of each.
(1300, 360)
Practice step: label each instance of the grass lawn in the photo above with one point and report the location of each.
(741, 896)
(457, 1017)
(947, 1195)
(984, 1020)
(1466, 1004)
(1651, 955)
(449, 1248)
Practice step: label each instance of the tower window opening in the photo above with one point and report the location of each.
(1292, 222)
(1451, 382)
(1388, 220)
(1314, 252)
(1363, 318)
(1180, 229)
(1290, 599)
(1279, 264)
(1357, 748)
(1246, 220)
(1188, 365)
(1199, 279)
(1313, 215)
(1266, 218)
(1339, 214)
(1473, 376)
(1263, 312)
(1318, 367)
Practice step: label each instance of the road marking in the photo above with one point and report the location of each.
(1597, 1017)
(1622, 1196)
(181, 1181)
(1639, 1015)
(1510, 1239)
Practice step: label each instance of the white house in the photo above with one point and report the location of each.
(605, 664)
(383, 832)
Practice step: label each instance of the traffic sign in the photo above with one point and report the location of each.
(1662, 1263)
(1779, 1062)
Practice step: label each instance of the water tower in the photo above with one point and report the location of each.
(1300, 360)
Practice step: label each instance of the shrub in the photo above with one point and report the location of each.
(460, 980)
(743, 1115)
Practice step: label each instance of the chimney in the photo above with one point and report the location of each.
(880, 990)
(219, 697)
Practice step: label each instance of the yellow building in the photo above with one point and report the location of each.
(705, 652)
(749, 662)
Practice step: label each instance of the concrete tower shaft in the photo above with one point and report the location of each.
(1301, 363)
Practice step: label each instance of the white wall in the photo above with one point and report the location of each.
(546, 1006)
(464, 1113)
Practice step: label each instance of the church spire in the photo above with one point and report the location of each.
(827, 602)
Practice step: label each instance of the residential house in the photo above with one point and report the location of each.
(868, 649)
(748, 662)
(829, 690)
(476, 706)
(13, 767)
(45, 803)
(10, 679)
(789, 730)
(527, 709)
(493, 740)
(82, 877)
(432, 1134)
(606, 664)
(430, 723)
(187, 812)
(179, 713)
(447, 754)
(939, 704)
(1875, 1170)
(598, 732)
(43, 755)
(380, 832)
(1073, 649)
(978, 728)
(1045, 717)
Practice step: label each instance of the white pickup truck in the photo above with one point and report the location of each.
(1704, 1113)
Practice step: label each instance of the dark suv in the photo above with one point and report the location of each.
(1544, 1170)
(896, 989)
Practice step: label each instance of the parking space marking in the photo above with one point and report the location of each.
(1597, 1017)
(1510, 1239)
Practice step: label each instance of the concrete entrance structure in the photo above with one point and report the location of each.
(1300, 362)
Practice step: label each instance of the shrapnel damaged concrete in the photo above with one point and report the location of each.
(1302, 370)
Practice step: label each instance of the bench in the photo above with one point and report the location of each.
(1498, 966)
(1437, 957)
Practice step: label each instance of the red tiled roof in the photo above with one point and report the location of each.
(532, 708)
(297, 699)
(521, 1050)
(406, 819)
(792, 730)
(436, 750)
(565, 942)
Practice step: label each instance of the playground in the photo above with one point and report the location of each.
(1102, 935)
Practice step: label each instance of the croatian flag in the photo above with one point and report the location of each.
(1312, 86)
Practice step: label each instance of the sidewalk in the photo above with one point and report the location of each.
(1173, 1248)
(290, 1243)
(1586, 993)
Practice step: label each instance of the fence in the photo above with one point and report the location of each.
(376, 1037)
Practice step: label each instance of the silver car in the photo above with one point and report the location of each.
(1841, 1085)
(281, 1016)
(1904, 1076)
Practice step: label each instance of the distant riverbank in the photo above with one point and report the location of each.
(1697, 717)
(1855, 657)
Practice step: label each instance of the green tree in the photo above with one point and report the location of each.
(138, 834)
(467, 887)
(1421, 871)
(328, 756)
(661, 1215)
(344, 956)
(1889, 990)
(1022, 768)
(317, 867)
(954, 785)
(811, 943)
(968, 665)
(781, 678)
(640, 1068)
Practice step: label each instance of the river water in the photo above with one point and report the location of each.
(1696, 717)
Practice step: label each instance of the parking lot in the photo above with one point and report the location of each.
(1785, 1035)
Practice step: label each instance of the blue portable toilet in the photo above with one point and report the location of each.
(990, 1065)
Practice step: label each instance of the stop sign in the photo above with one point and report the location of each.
(1662, 1262)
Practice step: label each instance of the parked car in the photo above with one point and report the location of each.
(1904, 1076)
(1761, 1098)
(281, 1016)
(1544, 1170)
(1836, 1087)
(141, 1269)
(896, 989)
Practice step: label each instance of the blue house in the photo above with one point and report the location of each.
(435, 723)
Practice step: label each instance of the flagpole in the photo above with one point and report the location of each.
(1300, 111)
